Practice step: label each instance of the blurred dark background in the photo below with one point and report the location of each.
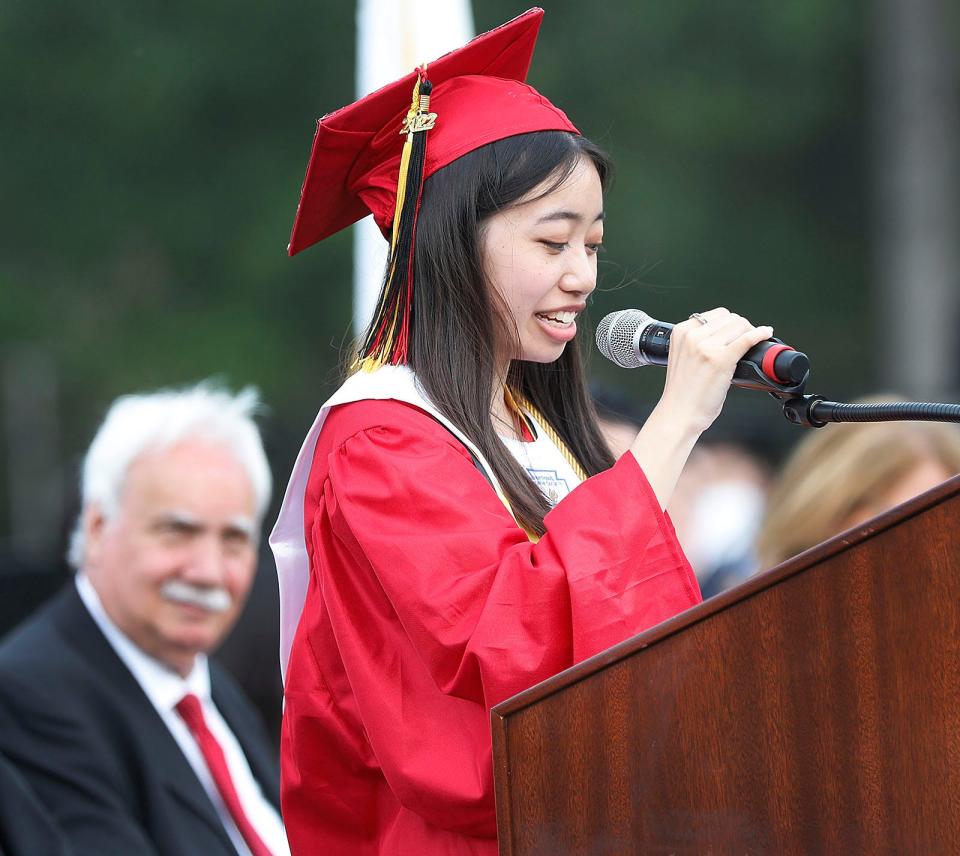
(768, 160)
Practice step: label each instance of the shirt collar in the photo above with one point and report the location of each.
(163, 686)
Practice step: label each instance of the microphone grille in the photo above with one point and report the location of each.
(615, 335)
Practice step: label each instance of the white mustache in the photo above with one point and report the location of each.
(211, 599)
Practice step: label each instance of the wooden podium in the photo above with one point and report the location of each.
(813, 709)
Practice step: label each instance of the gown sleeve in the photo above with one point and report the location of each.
(441, 607)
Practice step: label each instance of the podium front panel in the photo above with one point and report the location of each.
(814, 709)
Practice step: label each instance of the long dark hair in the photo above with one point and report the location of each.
(458, 320)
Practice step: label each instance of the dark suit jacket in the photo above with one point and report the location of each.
(76, 724)
(26, 827)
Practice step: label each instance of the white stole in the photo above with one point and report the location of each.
(288, 540)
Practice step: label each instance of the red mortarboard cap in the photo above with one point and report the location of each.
(478, 95)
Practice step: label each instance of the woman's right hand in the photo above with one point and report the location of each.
(700, 367)
(703, 357)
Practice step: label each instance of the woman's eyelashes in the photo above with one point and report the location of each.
(559, 246)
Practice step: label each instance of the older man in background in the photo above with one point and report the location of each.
(129, 737)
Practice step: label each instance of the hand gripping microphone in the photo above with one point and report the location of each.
(631, 338)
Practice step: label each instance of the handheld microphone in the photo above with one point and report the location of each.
(631, 338)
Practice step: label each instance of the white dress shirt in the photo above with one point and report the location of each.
(165, 688)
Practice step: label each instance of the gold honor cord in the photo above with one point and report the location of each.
(518, 404)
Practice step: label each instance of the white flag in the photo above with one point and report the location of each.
(393, 38)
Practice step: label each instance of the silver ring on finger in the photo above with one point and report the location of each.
(699, 318)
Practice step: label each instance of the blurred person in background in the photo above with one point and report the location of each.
(842, 475)
(129, 737)
(717, 510)
(718, 503)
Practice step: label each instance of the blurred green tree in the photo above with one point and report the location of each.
(153, 157)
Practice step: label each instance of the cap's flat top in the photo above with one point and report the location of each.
(479, 97)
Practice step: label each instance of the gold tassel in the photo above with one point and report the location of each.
(518, 404)
(392, 316)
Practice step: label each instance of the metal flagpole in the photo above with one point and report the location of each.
(916, 84)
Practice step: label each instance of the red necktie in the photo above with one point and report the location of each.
(190, 711)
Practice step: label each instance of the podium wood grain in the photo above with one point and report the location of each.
(813, 709)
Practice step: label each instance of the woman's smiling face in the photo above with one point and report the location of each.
(541, 257)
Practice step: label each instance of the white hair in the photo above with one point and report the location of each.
(135, 424)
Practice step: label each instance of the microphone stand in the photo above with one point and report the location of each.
(813, 411)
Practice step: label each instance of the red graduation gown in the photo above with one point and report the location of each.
(426, 606)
